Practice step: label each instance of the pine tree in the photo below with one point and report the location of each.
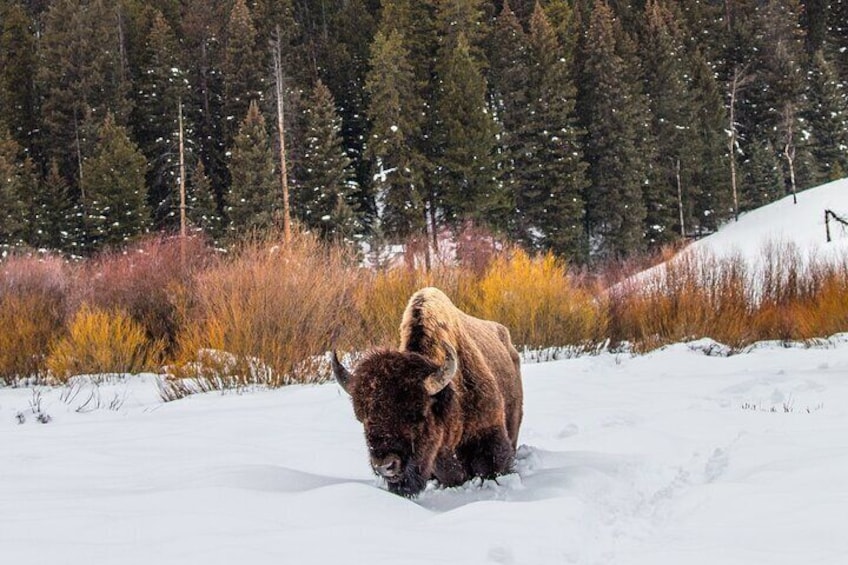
(82, 73)
(415, 22)
(396, 114)
(763, 179)
(243, 74)
(202, 209)
(115, 201)
(466, 18)
(552, 198)
(162, 88)
(465, 139)
(783, 99)
(828, 118)
(268, 16)
(407, 31)
(614, 115)
(252, 202)
(202, 31)
(59, 217)
(814, 18)
(837, 37)
(670, 196)
(11, 183)
(17, 70)
(352, 29)
(564, 20)
(322, 200)
(29, 197)
(710, 179)
(510, 92)
(461, 130)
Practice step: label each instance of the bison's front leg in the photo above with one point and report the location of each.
(450, 471)
(488, 455)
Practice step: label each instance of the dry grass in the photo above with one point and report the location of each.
(146, 280)
(102, 342)
(267, 315)
(787, 297)
(33, 308)
(692, 297)
(827, 312)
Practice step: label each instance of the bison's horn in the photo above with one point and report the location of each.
(441, 378)
(342, 375)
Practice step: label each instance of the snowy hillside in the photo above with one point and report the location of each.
(783, 222)
(669, 458)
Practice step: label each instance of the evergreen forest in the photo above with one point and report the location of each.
(594, 129)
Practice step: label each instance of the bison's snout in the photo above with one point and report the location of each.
(389, 467)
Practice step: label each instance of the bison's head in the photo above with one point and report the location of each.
(403, 401)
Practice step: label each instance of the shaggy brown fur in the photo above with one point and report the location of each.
(467, 429)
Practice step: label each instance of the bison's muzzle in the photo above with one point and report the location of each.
(389, 467)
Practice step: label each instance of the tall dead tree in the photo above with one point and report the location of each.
(182, 183)
(788, 124)
(680, 198)
(738, 81)
(277, 47)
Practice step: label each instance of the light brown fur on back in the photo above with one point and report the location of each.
(489, 382)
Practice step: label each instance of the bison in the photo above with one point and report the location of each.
(447, 405)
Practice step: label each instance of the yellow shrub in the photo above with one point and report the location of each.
(380, 302)
(100, 341)
(536, 299)
(29, 325)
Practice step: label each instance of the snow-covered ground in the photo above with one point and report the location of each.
(668, 458)
(682, 456)
(784, 222)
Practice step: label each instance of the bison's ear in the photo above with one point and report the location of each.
(342, 375)
(436, 382)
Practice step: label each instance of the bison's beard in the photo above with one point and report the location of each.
(410, 483)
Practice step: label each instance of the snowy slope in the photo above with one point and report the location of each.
(669, 458)
(783, 222)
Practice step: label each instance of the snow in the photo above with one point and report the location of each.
(783, 223)
(761, 237)
(685, 455)
(672, 457)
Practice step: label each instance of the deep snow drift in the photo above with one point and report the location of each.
(673, 457)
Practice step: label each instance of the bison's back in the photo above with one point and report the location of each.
(490, 369)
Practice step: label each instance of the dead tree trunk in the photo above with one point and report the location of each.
(789, 146)
(183, 229)
(828, 214)
(78, 147)
(680, 198)
(739, 80)
(281, 132)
